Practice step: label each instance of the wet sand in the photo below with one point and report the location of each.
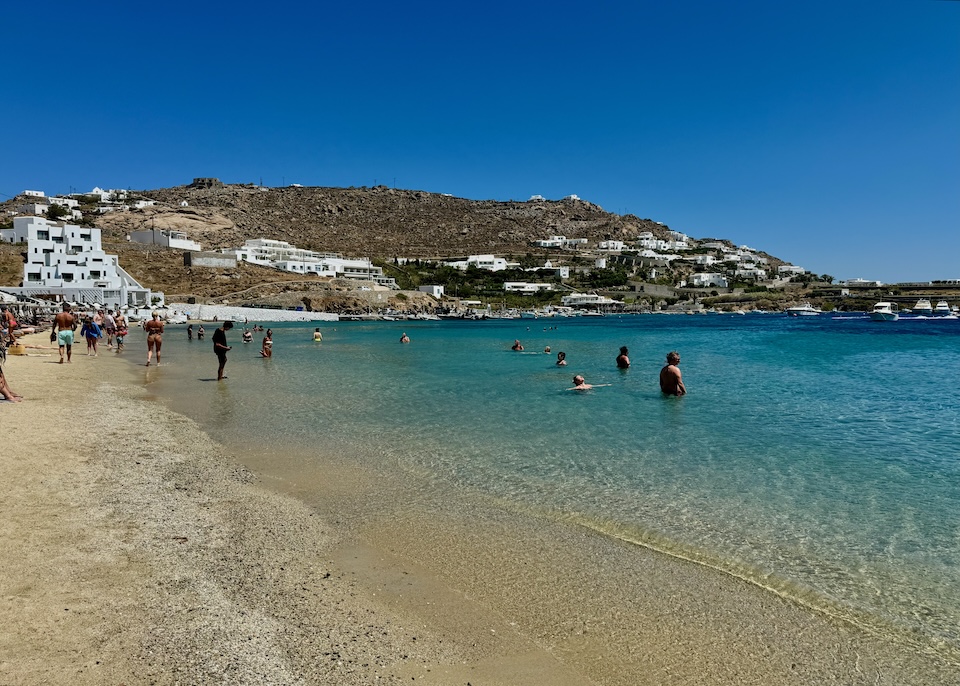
(137, 551)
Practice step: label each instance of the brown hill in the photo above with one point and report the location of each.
(377, 222)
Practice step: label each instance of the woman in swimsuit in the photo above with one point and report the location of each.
(154, 329)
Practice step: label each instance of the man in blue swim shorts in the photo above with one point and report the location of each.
(64, 324)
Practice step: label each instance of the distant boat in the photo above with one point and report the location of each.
(942, 308)
(885, 312)
(804, 310)
(923, 307)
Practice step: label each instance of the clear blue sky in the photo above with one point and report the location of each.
(825, 133)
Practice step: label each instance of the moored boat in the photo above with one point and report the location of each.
(804, 310)
(923, 307)
(942, 309)
(885, 312)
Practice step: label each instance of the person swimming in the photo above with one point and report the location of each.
(561, 359)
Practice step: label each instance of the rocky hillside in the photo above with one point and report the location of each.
(377, 222)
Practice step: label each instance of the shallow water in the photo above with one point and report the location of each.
(817, 457)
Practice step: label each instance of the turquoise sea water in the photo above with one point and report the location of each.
(818, 457)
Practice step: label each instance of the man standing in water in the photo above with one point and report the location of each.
(64, 324)
(220, 347)
(671, 380)
(623, 362)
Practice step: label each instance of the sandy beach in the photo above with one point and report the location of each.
(139, 551)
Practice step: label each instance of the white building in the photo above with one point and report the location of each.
(561, 242)
(488, 262)
(751, 273)
(140, 204)
(435, 291)
(790, 269)
(708, 280)
(562, 271)
(67, 262)
(716, 245)
(590, 300)
(705, 260)
(33, 194)
(526, 288)
(177, 240)
(536, 198)
(610, 246)
(35, 208)
(287, 257)
(551, 242)
(861, 282)
(65, 202)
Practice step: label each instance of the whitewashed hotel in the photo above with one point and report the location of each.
(289, 258)
(65, 262)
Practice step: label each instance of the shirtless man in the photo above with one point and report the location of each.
(623, 362)
(517, 346)
(154, 329)
(64, 324)
(671, 380)
(404, 338)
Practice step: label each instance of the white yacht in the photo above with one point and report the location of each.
(804, 310)
(885, 312)
(923, 307)
(942, 309)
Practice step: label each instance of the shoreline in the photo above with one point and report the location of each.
(146, 553)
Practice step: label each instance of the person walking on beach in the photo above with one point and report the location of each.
(154, 329)
(671, 380)
(91, 333)
(623, 362)
(110, 328)
(221, 348)
(121, 329)
(63, 325)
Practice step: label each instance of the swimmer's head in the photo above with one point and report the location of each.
(578, 379)
(673, 357)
